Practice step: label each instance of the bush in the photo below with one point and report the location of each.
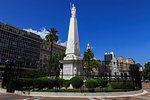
(59, 83)
(51, 83)
(43, 82)
(121, 85)
(21, 84)
(18, 84)
(28, 82)
(76, 82)
(66, 83)
(102, 83)
(91, 84)
(40, 83)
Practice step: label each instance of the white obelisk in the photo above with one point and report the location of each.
(72, 61)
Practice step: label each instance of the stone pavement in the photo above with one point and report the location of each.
(146, 96)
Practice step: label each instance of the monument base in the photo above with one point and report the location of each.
(71, 68)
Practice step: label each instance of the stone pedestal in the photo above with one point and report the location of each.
(71, 68)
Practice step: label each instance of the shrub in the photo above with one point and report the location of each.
(41, 83)
(76, 82)
(66, 83)
(91, 83)
(21, 84)
(102, 83)
(51, 83)
(59, 83)
(121, 85)
(18, 84)
(28, 82)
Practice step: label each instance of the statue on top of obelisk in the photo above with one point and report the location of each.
(73, 11)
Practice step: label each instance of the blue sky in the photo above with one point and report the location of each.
(121, 26)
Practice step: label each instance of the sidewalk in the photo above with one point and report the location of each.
(82, 95)
(145, 95)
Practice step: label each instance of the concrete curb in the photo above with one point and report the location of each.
(83, 95)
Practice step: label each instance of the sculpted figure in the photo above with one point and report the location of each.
(73, 11)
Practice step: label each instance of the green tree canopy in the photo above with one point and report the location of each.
(135, 74)
(88, 55)
(91, 67)
(91, 64)
(146, 71)
(52, 35)
(54, 64)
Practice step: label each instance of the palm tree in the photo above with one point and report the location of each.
(52, 37)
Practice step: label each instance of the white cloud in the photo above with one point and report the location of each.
(63, 43)
(58, 42)
(42, 32)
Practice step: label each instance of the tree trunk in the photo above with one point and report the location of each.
(51, 58)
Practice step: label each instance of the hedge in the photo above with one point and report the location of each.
(51, 83)
(41, 83)
(66, 83)
(21, 84)
(44, 82)
(59, 82)
(102, 83)
(121, 85)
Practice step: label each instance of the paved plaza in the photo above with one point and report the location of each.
(146, 86)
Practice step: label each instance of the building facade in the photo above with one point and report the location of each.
(18, 46)
(118, 66)
(45, 50)
(109, 57)
(124, 64)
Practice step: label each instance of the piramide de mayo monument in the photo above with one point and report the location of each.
(72, 62)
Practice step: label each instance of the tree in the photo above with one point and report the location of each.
(91, 64)
(146, 71)
(141, 72)
(54, 63)
(88, 54)
(135, 74)
(91, 67)
(52, 37)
